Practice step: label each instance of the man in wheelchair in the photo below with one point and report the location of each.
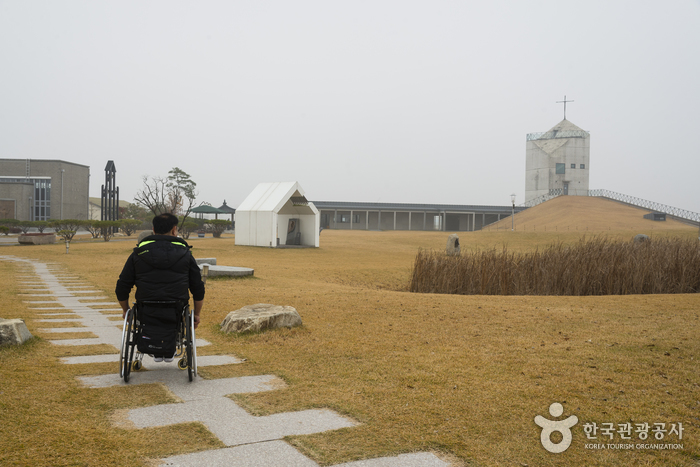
(163, 270)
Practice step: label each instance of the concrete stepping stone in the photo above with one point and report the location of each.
(182, 387)
(148, 363)
(277, 453)
(233, 425)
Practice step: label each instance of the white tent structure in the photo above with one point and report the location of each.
(277, 214)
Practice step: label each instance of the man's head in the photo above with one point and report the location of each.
(164, 223)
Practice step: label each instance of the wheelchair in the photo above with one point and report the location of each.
(185, 348)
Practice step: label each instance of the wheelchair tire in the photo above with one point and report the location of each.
(189, 356)
(193, 361)
(127, 347)
(136, 366)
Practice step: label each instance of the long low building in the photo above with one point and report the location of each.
(400, 216)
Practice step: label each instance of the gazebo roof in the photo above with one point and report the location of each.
(204, 209)
(226, 208)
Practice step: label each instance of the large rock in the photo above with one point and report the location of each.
(261, 317)
(453, 248)
(13, 332)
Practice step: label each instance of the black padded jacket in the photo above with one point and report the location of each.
(162, 268)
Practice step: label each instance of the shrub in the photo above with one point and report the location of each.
(129, 226)
(93, 228)
(106, 228)
(41, 225)
(187, 228)
(67, 228)
(218, 226)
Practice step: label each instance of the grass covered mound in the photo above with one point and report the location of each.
(590, 267)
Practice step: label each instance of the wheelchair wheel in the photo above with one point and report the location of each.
(190, 346)
(127, 350)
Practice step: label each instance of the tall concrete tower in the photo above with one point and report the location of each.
(559, 160)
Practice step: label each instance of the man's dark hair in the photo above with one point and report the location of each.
(164, 223)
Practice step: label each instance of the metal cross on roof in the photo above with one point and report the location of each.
(564, 102)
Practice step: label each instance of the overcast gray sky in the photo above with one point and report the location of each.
(388, 101)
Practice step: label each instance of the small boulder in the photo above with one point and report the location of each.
(261, 317)
(641, 238)
(453, 248)
(13, 332)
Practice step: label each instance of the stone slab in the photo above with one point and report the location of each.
(228, 271)
(416, 459)
(209, 261)
(266, 454)
(176, 380)
(233, 425)
(148, 363)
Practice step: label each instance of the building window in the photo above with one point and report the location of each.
(583, 166)
(560, 168)
(42, 199)
(573, 166)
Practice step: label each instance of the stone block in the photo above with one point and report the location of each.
(453, 248)
(37, 239)
(13, 332)
(231, 271)
(201, 261)
(261, 317)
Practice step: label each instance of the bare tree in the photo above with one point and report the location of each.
(153, 195)
(175, 194)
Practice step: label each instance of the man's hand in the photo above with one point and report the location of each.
(125, 307)
(196, 321)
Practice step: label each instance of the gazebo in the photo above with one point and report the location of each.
(206, 209)
(228, 210)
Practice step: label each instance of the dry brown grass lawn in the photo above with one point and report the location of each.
(461, 375)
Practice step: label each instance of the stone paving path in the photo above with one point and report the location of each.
(251, 441)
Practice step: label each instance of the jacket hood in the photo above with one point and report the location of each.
(162, 251)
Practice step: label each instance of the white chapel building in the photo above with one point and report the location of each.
(557, 162)
(277, 215)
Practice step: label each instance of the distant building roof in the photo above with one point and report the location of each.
(98, 202)
(563, 129)
(361, 206)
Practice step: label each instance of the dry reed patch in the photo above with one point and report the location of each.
(594, 266)
(458, 374)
